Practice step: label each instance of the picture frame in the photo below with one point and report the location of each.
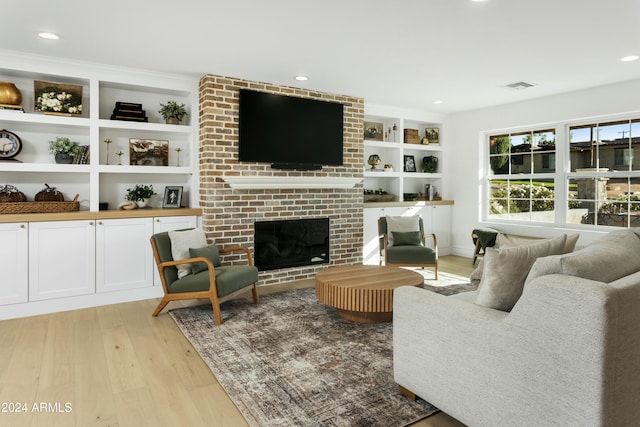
(148, 152)
(57, 98)
(409, 163)
(172, 197)
(373, 131)
(432, 135)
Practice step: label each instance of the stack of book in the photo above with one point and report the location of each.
(129, 111)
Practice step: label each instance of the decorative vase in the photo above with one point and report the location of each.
(9, 94)
(63, 158)
(172, 121)
(142, 203)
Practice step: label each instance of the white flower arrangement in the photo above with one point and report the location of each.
(58, 99)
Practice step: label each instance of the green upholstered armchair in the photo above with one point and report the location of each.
(209, 280)
(407, 251)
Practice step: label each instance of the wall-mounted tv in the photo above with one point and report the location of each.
(289, 132)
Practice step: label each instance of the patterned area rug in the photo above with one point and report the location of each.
(292, 361)
(447, 284)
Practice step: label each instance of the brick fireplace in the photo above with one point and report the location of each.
(229, 213)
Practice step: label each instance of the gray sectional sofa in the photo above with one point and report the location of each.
(566, 354)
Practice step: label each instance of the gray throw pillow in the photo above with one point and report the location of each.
(506, 269)
(210, 252)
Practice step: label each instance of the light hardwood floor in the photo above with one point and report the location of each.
(118, 366)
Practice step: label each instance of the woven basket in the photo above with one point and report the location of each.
(39, 207)
(368, 198)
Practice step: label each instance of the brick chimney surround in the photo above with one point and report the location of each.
(229, 212)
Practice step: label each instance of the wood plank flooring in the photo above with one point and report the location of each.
(118, 366)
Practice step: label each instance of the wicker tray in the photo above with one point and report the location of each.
(369, 198)
(39, 207)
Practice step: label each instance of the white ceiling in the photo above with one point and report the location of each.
(404, 53)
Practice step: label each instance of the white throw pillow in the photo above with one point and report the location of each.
(401, 224)
(181, 242)
(506, 269)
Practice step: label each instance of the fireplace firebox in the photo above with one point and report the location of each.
(291, 243)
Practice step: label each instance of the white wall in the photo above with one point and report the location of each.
(464, 171)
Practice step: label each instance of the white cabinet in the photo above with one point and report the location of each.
(14, 263)
(61, 259)
(437, 220)
(170, 223)
(123, 254)
(106, 176)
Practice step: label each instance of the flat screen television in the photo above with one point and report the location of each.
(289, 132)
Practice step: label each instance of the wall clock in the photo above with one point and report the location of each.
(10, 145)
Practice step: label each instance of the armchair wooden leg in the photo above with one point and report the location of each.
(254, 291)
(163, 304)
(217, 317)
(436, 271)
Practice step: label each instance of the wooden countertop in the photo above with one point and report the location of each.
(407, 204)
(108, 214)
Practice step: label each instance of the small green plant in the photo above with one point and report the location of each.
(140, 192)
(63, 145)
(172, 110)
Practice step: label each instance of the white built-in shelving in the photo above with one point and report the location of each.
(392, 151)
(103, 179)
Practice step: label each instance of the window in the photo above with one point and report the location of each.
(599, 186)
(522, 181)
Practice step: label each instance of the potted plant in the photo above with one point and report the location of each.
(140, 194)
(64, 149)
(172, 112)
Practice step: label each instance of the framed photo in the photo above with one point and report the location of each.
(172, 197)
(57, 98)
(373, 131)
(148, 152)
(409, 164)
(432, 135)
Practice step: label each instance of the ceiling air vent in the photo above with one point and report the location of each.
(519, 85)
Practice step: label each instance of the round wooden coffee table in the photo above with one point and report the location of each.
(363, 293)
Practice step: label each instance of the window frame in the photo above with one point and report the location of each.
(562, 174)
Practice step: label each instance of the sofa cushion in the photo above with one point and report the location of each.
(181, 242)
(210, 252)
(401, 224)
(506, 269)
(609, 258)
(510, 240)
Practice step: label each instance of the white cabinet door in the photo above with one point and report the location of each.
(437, 220)
(61, 259)
(14, 263)
(123, 254)
(169, 223)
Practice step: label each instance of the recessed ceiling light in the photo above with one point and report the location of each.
(437, 101)
(48, 36)
(629, 58)
(301, 78)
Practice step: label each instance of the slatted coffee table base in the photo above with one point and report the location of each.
(363, 293)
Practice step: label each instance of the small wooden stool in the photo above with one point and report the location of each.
(482, 238)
